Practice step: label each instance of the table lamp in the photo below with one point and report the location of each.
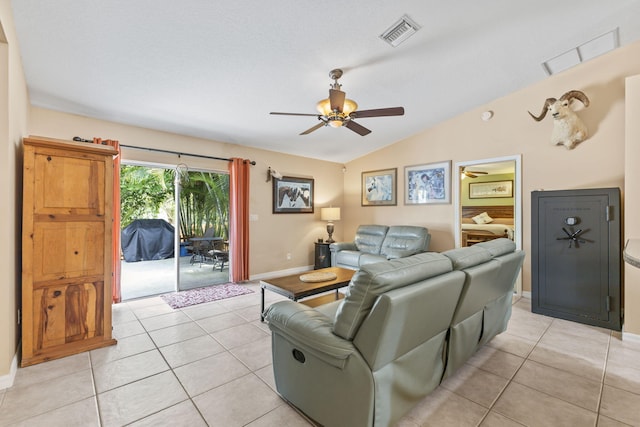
(330, 215)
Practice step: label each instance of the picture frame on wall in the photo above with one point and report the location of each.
(379, 188)
(292, 195)
(427, 184)
(490, 189)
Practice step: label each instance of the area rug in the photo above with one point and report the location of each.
(206, 294)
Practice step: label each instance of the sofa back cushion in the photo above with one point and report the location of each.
(462, 258)
(404, 240)
(498, 247)
(369, 238)
(375, 279)
(404, 319)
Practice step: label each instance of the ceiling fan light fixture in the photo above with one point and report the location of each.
(338, 111)
(349, 107)
(324, 107)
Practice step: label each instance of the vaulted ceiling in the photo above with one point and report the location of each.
(216, 69)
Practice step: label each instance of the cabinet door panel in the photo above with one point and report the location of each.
(48, 317)
(68, 185)
(63, 250)
(66, 313)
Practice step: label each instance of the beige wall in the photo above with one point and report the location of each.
(13, 123)
(597, 162)
(272, 236)
(632, 201)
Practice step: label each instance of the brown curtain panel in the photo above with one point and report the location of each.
(239, 219)
(115, 238)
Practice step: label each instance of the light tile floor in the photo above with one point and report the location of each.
(210, 364)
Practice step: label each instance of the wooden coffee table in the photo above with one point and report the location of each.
(294, 288)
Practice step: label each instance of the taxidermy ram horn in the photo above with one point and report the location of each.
(568, 128)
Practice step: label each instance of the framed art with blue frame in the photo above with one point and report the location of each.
(427, 184)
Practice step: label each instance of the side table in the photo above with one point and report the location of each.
(323, 256)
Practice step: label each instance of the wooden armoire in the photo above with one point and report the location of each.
(66, 248)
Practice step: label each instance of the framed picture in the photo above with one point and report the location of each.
(379, 188)
(292, 195)
(492, 189)
(427, 184)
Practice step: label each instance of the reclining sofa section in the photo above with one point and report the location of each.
(403, 326)
(375, 243)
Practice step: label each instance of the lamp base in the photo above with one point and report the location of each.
(330, 232)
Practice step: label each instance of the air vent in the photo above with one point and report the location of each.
(586, 51)
(400, 31)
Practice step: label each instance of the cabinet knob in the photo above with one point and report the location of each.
(57, 293)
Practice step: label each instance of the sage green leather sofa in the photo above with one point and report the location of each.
(375, 243)
(403, 326)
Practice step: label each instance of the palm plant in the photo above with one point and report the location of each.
(204, 199)
(204, 203)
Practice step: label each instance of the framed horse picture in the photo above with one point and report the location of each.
(379, 187)
(292, 195)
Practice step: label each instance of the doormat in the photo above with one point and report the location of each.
(206, 294)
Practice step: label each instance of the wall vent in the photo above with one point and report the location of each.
(400, 31)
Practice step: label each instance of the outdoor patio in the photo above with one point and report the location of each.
(146, 278)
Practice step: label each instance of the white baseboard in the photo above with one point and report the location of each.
(626, 336)
(526, 294)
(6, 381)
(287, 272)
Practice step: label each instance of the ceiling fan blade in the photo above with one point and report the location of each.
(357, 128)
(479, 172)
(379, 112)
(294, 114)
(336, 98)
(316, 127)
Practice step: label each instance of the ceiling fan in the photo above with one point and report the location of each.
(471, 174)
(337, 110)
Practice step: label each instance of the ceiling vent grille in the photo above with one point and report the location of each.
(400, 31)
(586, 51)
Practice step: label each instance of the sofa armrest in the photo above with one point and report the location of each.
(310, 329)
(342, 246)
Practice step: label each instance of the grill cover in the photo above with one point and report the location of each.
(147, 239)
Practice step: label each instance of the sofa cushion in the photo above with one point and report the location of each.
(348, 258)
(374, 279)
(366, 259)
(404, 240)
(462, 258)
(498, 247)
(369, 238)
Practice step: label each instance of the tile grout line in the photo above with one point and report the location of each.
(225, 350)
(604, 374)
(514, 375)
(95, 389)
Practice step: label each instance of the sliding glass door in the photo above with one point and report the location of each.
(174, 229)
(203, 228)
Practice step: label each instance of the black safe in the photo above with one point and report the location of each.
(576, 259)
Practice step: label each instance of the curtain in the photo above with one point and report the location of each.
(239, 219)
(115, 238)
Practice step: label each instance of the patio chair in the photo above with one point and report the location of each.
(209, 248)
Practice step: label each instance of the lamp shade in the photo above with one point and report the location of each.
(330, 214)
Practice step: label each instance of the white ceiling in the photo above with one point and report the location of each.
(215, 69)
